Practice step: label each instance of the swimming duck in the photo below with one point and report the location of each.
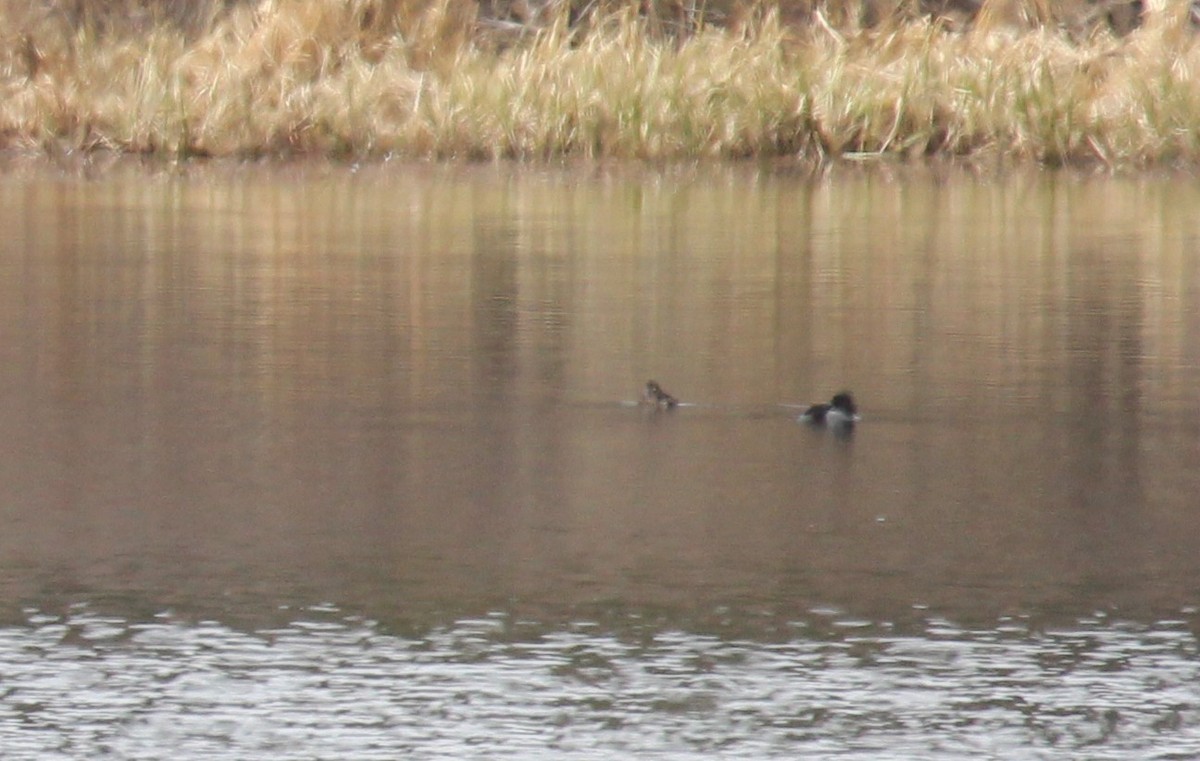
(654, 394)
(841, 412)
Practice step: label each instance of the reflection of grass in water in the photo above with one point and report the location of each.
(398, 77)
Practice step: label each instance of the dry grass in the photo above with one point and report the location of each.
(419, 79)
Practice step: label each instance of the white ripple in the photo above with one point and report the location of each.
(349, 691)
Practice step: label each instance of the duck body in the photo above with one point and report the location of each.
(840, 412)
(654, 394)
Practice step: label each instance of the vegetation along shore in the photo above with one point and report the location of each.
(1072, 81)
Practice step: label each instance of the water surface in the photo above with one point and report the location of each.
(405, 395)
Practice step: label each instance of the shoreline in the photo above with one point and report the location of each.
(105, 165)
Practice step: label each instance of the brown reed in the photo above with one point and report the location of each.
(378, 78)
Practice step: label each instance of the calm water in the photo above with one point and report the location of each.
(309, 462)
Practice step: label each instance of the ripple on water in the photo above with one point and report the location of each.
(91, 686)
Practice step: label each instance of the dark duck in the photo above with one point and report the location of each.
(655, 395)
(840, 412)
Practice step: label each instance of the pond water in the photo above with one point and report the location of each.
(312, 461)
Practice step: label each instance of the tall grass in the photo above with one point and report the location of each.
(412, 78)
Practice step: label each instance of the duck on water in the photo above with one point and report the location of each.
(654, 394)
(840, 412)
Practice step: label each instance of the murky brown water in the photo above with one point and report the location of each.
(405, 394)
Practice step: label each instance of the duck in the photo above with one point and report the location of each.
(655, 395)
(840, 412)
